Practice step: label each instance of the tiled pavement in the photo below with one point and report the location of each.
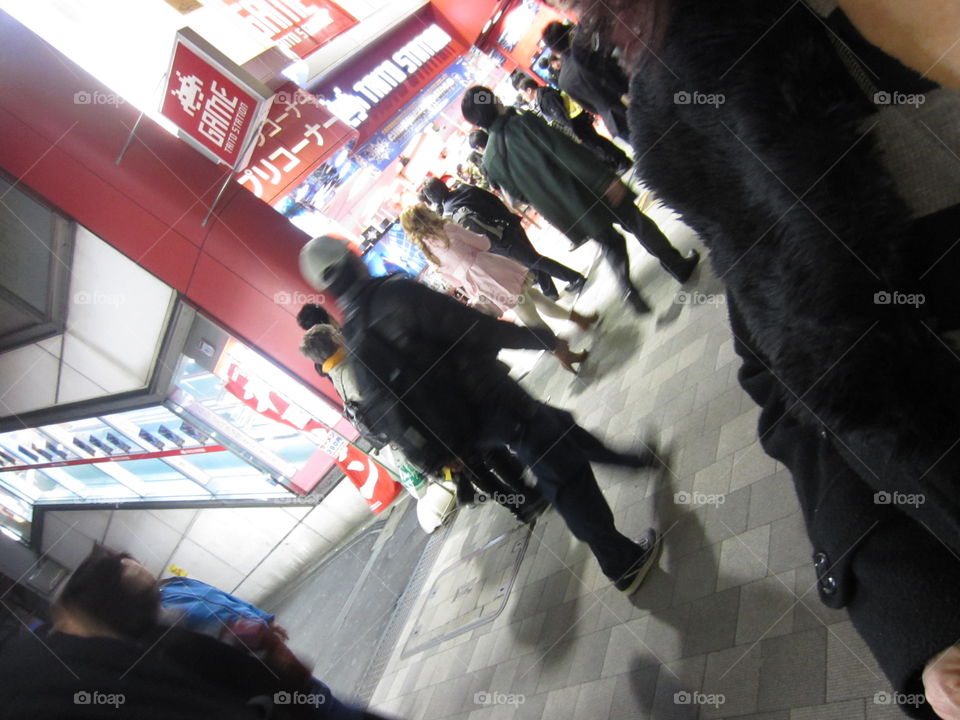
(728, 625)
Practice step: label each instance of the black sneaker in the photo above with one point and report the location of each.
(633, 578)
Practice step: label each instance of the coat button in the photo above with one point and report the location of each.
(823, 432)
(828, 585)
(820, 562)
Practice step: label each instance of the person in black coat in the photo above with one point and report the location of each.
(590, 75)
(480, 407)
(484, 213)
(830, 215)
(549, 103)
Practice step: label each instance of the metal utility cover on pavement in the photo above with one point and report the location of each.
(471, 592)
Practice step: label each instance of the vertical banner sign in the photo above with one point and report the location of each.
(218, 106)
(298, 136)
(298, 26)
(374, 482)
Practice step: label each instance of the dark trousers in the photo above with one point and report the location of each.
(645, 230)
(539, 435)
(593, 447)
(498, 473)
(517, 246)
(586, 133)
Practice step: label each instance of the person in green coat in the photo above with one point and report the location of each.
(575, 191)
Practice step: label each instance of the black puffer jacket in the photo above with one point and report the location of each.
(750, 124)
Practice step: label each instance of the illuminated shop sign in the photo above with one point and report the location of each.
(297, 26)
(355, 107)
(215, 103)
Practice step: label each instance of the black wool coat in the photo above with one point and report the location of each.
(751, 126)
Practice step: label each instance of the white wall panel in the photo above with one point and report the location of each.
(28, 380)
(116, 316)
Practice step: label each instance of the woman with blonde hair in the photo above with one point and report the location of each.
(492, 283)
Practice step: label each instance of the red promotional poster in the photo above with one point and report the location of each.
(214, 102)
(297, 26)
(298, 136)
(374, 482)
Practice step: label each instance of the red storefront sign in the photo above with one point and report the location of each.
(380, 81)
(298, 135)
(216, 104)
(374, 482)
(297, 26)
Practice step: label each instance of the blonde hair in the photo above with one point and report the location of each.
(420, 223)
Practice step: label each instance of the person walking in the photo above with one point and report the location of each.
(579, 196)
(590, 75)
(492, 282)
(563, 112)
(485, 214)
(487, 408)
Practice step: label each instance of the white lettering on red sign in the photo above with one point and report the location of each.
(373, 87)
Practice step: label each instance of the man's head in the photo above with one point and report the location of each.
(435, 191)
(312, 314)
(556, 36)
(329, 265)
(480, 106)
(528, 89)
(478, 140)
(108, 594)
(321, 343)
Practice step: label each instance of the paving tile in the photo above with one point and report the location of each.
(852, 671)
(744, 558)
(594, 699)
(633, 694)
(726, 519)
(850, 710)
(751, 464)
(734, 674)
(561, 701)
(766, 608)
(713, 622)
(666, 633)
(678, 689)
(586, 665)
(697, 575)
(713, 480)
(793, 671)
(772, 499)
(626, 649)
(789, 543)
(738, 433)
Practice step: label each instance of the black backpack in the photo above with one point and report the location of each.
(415, 400)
